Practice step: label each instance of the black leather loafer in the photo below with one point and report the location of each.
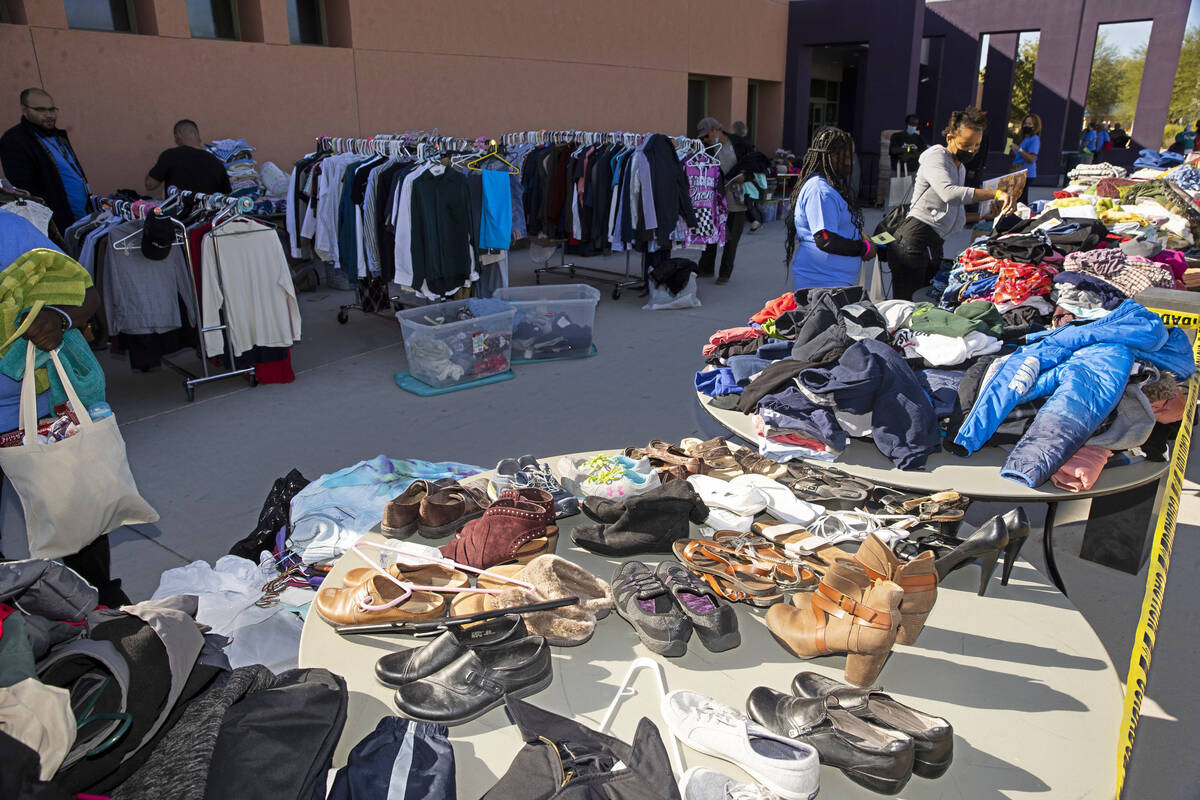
(874, 757)
(933, 737)
(406, 666)
(477, 681)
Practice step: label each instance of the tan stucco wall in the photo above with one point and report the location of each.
(465, 67)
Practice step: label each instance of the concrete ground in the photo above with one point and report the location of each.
(207, 466)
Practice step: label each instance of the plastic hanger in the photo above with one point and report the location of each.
(409, 555)
(627, 690)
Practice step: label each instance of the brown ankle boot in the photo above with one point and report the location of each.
(918, 578)
(848, 613)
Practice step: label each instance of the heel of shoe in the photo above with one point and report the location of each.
(910, 628)
(1010, 558)
(987, 566)
(863, 668)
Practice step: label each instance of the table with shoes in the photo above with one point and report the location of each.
(853, 633)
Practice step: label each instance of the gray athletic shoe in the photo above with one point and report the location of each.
(642, 600)
(699, 783)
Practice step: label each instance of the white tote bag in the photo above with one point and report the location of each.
(900, 188)
(76, 490)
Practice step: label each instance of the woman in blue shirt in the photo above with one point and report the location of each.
(825, 247)
(1025, 153)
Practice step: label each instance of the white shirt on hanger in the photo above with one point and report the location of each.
(252, 283)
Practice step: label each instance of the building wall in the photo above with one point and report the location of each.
(464, 67)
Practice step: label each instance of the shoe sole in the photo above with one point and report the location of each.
(719, 644)
(601, 550)
(881, 785)
(786, 794)
(520, 694)
(931, 769)
(449, 529)
(398, 533)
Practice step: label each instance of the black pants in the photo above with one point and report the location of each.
(914, 258)
(733, 232)
(754, 211)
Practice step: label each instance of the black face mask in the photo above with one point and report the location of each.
(1027, 131)
(963, 156)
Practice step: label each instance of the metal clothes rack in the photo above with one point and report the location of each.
(618, 280)
(418, 144)
(228, 208)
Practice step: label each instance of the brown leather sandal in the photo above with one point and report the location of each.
(726, 590)
(790, 574)
(704, 556)
(715, 454)
(754, 464)
(947, 506)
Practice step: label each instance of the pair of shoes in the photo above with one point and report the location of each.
(402, 514)
(665, 605)
(918, 578)
(553, 578)
(457, 678)
(611, 477)
(721, 281)
(716, 455)
(644, 523)
(378, 599)
(789, 768)
(875, 740)
(527, 472)
(743, 568)
(1001, 534)
(849, 612)
(754, 464)
(700, 783)
(826, 486)
(948, 506)
(668, 460)
(519, 526)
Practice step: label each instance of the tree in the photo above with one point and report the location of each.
(1130, 87)
(1185, 97)
(1104, 85)
(1022, 96)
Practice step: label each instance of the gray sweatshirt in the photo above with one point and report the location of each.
(938, 192)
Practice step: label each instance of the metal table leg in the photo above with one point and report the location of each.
(1048, 548)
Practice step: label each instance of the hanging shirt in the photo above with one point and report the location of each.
(254, 286)
(17, 237)
(71, 174)
(1030, 145)
(820, 207)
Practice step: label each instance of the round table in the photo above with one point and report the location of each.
(1033, 697)
(978, 477)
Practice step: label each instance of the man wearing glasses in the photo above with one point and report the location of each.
(37, 156)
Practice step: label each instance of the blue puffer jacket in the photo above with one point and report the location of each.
(1083, 369)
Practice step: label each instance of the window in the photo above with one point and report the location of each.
(306, 21)
(100, 15)
(212, 19)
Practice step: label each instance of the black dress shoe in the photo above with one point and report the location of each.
(871, 756)
(477, 681)
(397, 669)
(933, 737)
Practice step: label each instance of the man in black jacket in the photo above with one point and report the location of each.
(733, 149)
(906, 146)
(37, 156)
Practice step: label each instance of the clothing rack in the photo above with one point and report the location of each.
(419, 144)
(227, 208)
(618, 280)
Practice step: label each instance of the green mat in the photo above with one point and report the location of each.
(523, 361)
(408, 383)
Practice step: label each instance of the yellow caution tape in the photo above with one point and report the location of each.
(1160, 561)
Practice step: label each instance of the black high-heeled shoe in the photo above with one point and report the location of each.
(1017, 525)
(986, 544)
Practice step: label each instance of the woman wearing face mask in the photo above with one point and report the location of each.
(1025, 150)
(939, 195)
(825, 246)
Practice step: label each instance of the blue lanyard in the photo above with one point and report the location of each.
(65, 152)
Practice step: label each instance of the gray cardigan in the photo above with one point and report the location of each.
(938, 192)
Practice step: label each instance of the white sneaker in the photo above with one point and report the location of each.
(789, 768)
(699, 783)
(610, 477)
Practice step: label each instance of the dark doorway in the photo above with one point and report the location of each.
(697, 108)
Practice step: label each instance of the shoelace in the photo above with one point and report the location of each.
(607, 474)
(716, 712)
(645, 582)
(538, 478)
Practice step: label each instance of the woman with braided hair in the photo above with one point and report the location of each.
(825, 246)
(939, 195)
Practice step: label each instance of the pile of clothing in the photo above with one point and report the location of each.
(141, 702)
(1046, 354)
(238, 157)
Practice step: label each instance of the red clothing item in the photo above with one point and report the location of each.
(729, 335)
(1082, 469)
(773, 308)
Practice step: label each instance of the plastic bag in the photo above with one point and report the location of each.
(661, 298)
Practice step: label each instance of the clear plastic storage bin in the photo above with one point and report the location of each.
(552, 321)
(457, 342)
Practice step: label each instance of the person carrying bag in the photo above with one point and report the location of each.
(75, 490)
